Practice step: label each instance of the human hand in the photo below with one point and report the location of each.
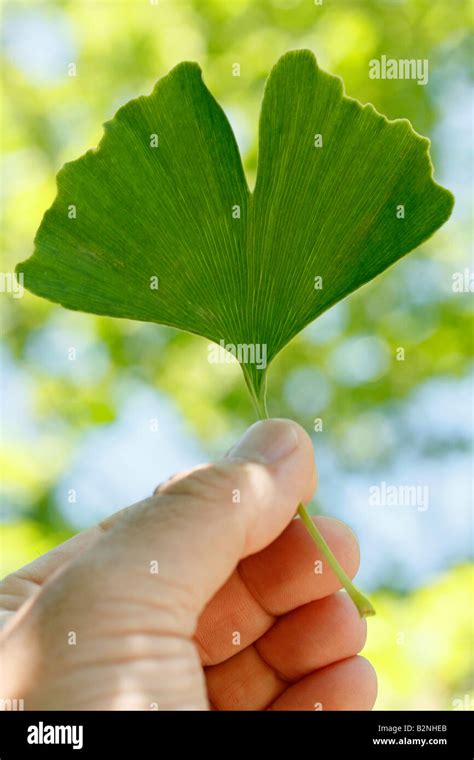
(206, 595)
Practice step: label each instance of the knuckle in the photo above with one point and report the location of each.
(215, 483)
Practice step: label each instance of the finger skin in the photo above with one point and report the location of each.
(291, 571)
(347, 685)
(307, 639)
(274, 581)
(313, 636)
(243, 682)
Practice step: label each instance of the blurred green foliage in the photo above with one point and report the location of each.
(420, 645)
(120, 49)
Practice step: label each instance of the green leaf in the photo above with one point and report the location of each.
(327, 207)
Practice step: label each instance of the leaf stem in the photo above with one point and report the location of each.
(362, 603)
(259, 401)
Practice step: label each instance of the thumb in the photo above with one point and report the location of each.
(199, 525)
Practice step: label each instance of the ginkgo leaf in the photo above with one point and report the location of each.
(158, 223)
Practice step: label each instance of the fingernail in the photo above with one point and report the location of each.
(266, 441)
